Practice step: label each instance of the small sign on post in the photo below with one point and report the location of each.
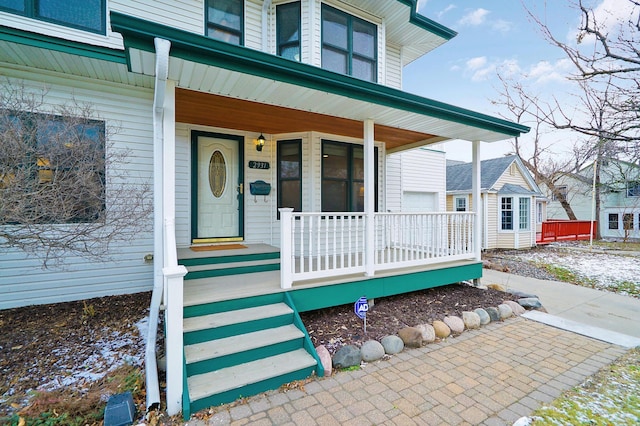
(360, 308)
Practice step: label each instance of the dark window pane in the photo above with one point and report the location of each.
(17, 5)
(333, 60)
(613, 221)
(335, 161)
(334, 28)
(80, 13)
(334, 196)
(291, 52)
(358, 163)
(222, 35)
(627, 222)
(290, 161)
(363, 69)
(290, 195)
(226, 13)
(364, 38)
(357, 202)
(288, 30)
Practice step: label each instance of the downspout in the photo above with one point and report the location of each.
(265, 25)
(151, 369)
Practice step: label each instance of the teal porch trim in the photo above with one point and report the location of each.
(186, 400)
(307, 344)
(425, 23)
(61, 45)
(139, 34)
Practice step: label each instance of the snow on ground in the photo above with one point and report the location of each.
(603, 269)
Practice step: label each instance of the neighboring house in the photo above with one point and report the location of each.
(619, 198)
(262, 124)
(513, 207)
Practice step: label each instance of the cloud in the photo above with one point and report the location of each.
(502, 25)
(476, 63)
(474, 18)
(445, 10)
(546, 72)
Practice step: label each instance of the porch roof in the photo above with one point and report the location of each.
(276, 95)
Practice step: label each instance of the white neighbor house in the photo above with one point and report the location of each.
(265, 128)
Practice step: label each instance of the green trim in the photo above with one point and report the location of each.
(198, 261)
(199, 336)
(139, 34)
(427, 24)
(307, 343)
(231, 305)
(186, 400)
(26, 38)
(209, 273)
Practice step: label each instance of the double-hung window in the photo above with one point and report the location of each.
(290, 174)
(613, 221)
(461, 204)
(633, 189)
(523, 217)
(561, 193)
(87, 15)
(349, 44)
(506, 213)
(288, 30)
(627, 222)
(224, 20)
(343, 177)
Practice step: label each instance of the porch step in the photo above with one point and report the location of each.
(237, 348)
(225, 265)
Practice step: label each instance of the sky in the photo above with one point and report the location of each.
(497, 35)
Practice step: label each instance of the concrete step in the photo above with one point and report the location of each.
(235, 317)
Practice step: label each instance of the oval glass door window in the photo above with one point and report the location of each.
(217, 173)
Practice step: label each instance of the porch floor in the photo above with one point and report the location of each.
(228, 287)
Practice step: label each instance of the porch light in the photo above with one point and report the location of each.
(260, 142)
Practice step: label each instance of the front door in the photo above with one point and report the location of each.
(217, 207)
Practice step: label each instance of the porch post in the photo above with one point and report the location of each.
(477, 205)
(286, 249)
(369, 197)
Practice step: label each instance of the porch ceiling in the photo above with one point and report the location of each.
(221, 111)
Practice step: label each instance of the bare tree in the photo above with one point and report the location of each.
(64, 186)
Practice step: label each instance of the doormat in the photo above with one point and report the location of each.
(218, 247)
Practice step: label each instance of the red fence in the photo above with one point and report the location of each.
(565, 230)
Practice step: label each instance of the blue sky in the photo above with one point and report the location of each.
(492, 35)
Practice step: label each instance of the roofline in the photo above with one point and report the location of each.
(425, 23)
(138, 33)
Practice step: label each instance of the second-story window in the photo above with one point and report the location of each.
(288, 30)
(349, 44)
(225, 20)
(87, 15)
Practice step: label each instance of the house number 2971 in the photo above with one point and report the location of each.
(258, 165)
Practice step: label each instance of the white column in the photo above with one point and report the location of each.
(286, 249)
(369, 197)
(169, 157)
(477, 204)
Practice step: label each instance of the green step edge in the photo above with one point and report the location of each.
(231, 305)
(205, 335)
(307, 344)
(210, 273)
(214, 260)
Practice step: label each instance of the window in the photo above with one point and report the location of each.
(349, 44)
(461, 204)
(613, 220)
(225, 20)
(562, 190)
(627, 222)
(506, 212)
(59, 161)
(523, 224)
(539, 212)
(343, 177)
(88, 15)
(288, 30)
(290, 174)
(633, 189)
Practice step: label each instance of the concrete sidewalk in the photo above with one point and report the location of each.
(590, 307)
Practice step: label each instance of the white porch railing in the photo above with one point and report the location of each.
(321, 245)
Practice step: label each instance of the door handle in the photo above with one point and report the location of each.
(241, 189)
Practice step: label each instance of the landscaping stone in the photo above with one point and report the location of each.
(442, 330)
(530, 302)
(411, 336)
(484, 316)
(347, 356)
(325, 359)
(428, 333)
(455, 324)
(392, 344)
(522, 294)
(471, 320)
(493, 313)
(496, 287)
(371, 350)
(515, 307)
(505, 311)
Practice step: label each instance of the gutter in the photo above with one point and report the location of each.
(151, 367)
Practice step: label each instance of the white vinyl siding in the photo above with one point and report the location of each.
(23, 281)
(422, 176)
(393, 68)
(253, 25)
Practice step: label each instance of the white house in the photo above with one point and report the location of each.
(619, 216)
(265, 128)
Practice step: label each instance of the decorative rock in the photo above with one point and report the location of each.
(496, 287)
(484, 316)
(442, 330)
(325, 359)
(515, 307)
(493, 313)
(428, 333)
(347, 356)
(392, 344)
(530, 302)
(471, 320)
(455, 324)
(411, 336)
(371, 350)
(521, 294)
(505, 311)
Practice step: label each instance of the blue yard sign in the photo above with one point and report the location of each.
(360, 308)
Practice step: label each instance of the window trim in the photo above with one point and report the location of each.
(611, 222)
(349, 51)
(278, 176)
(30, 11)
(633, 189)
(526, 222)
(502, 214)
(210, 25)
(463, 198)
(280, 45)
